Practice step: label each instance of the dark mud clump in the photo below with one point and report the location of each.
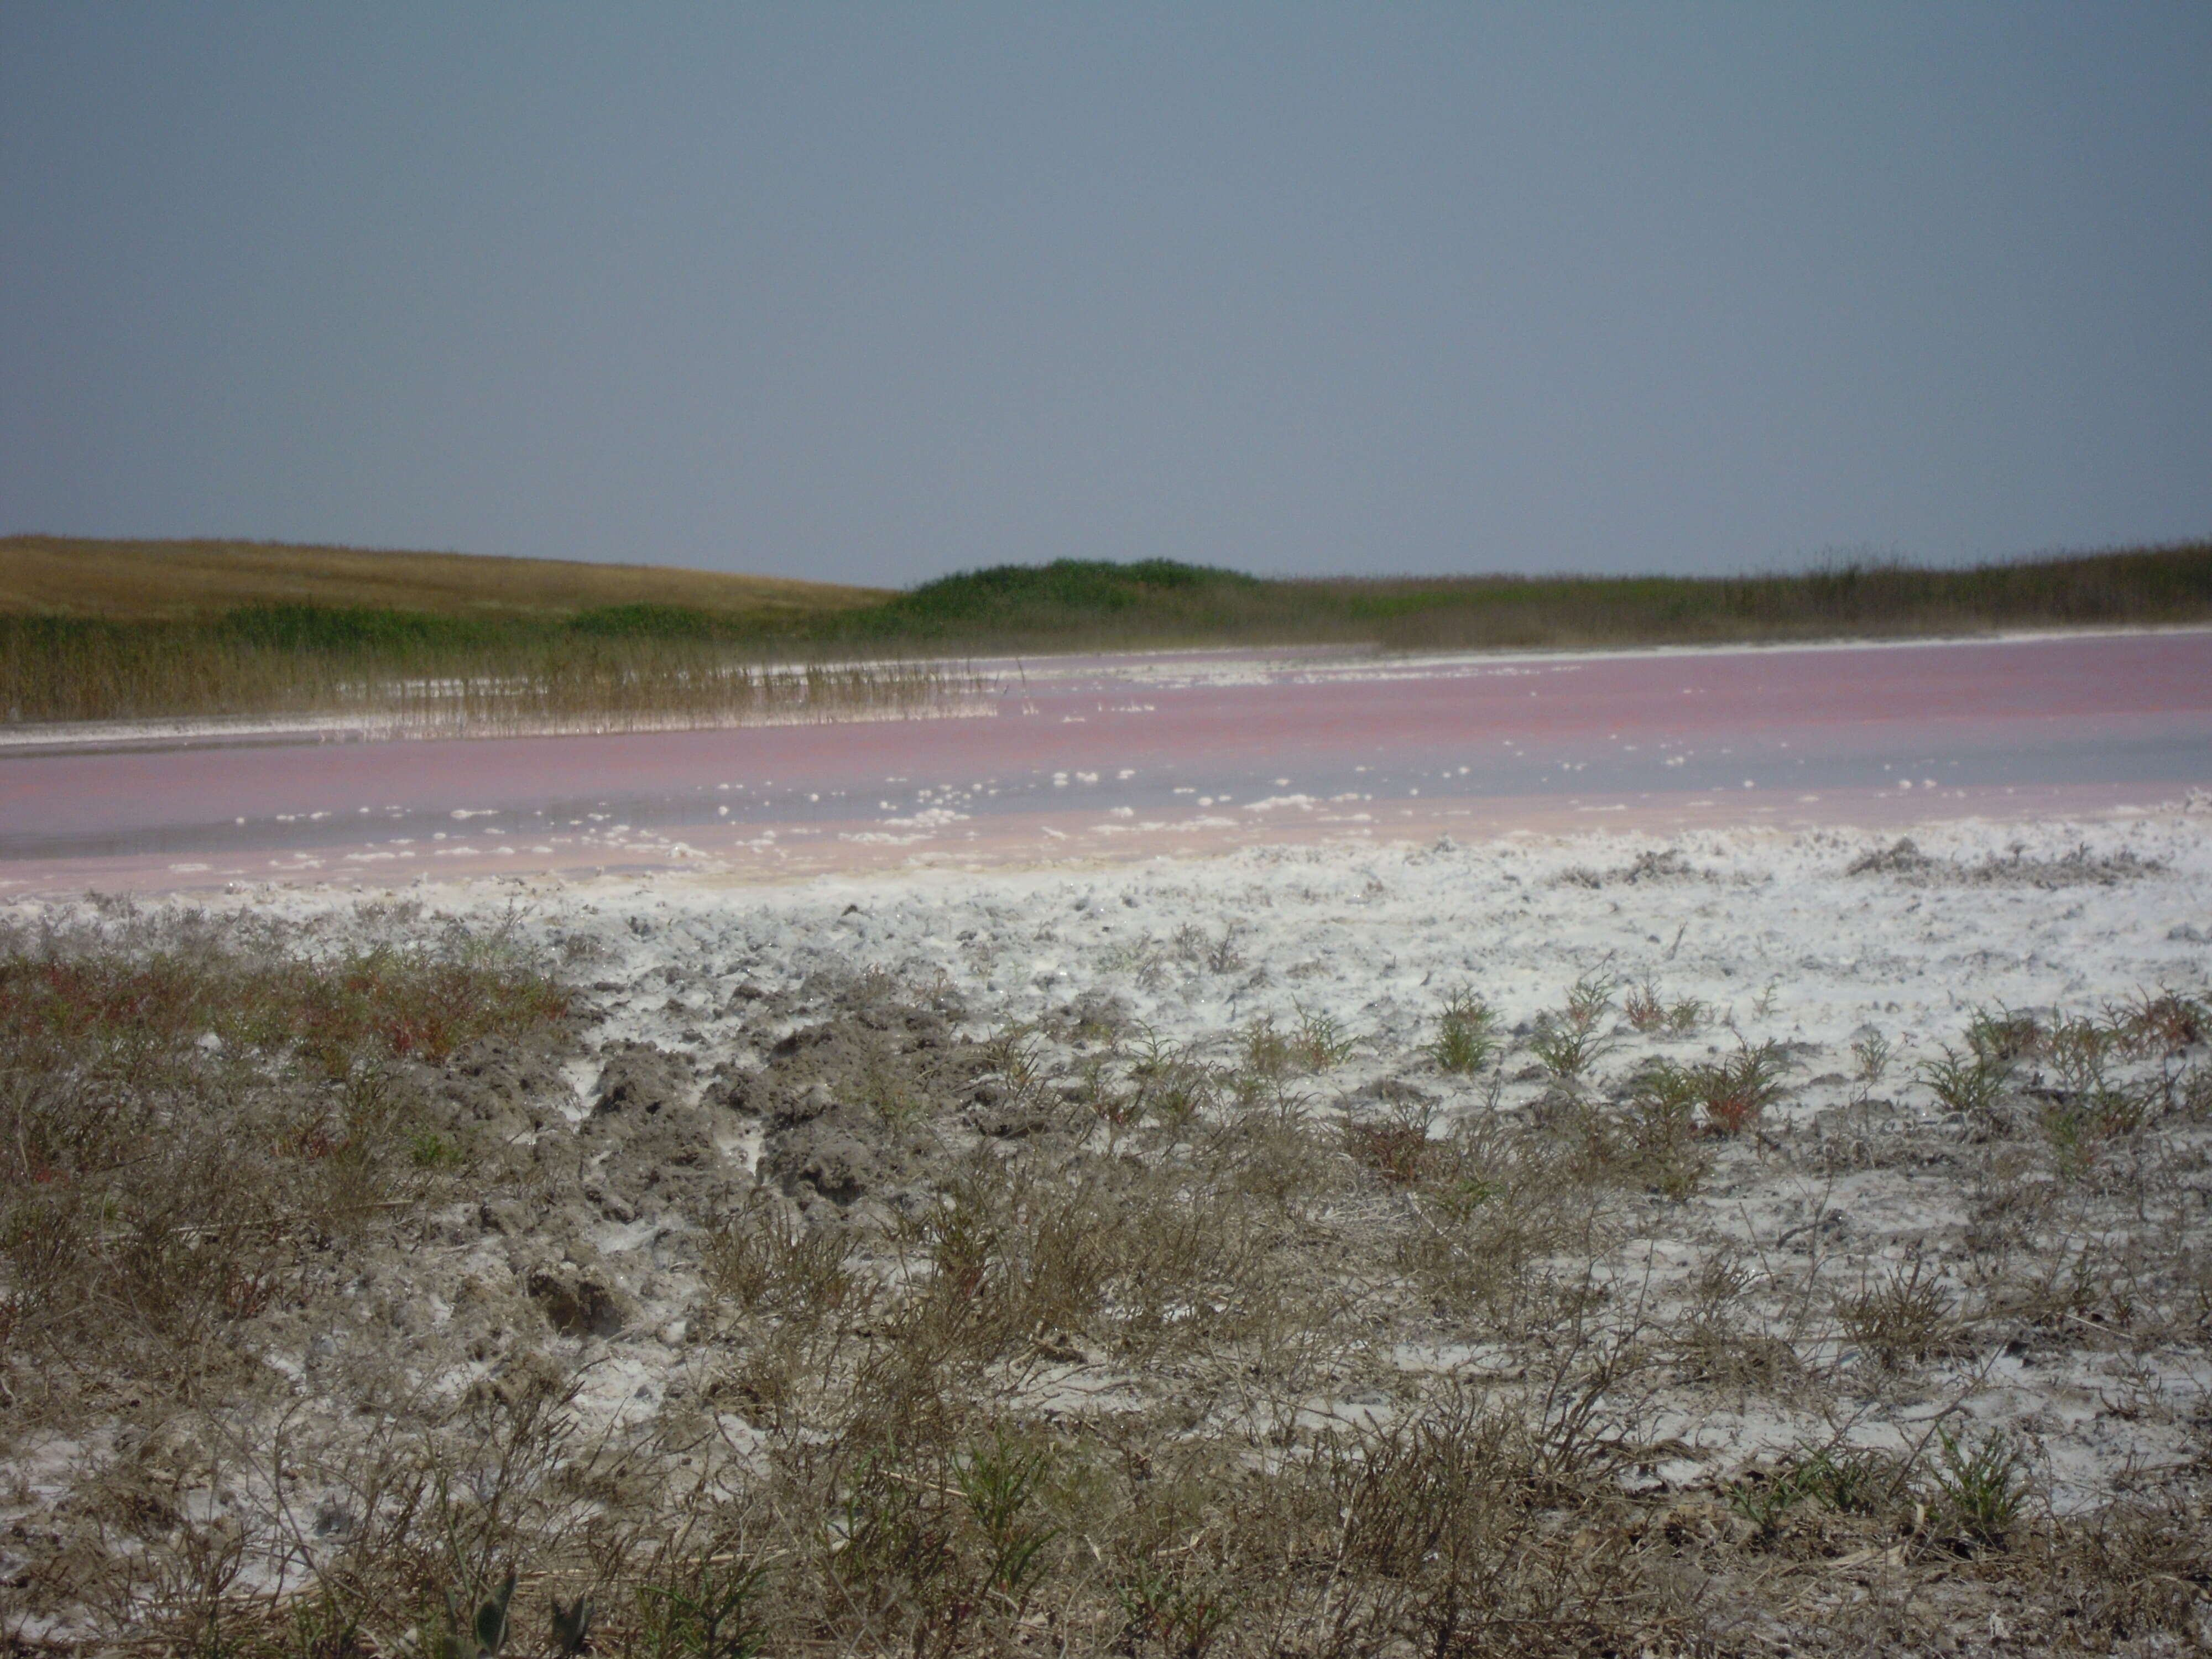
(651, 1148)
(503, 1085)
(859, 1089)
(577, 1301)
(854, 1091)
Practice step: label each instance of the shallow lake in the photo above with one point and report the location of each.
(1116, 756)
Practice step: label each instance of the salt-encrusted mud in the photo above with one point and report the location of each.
(1872, 1258)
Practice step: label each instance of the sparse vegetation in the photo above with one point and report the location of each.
(1653, 1135)
(1899, 1315)
(1982, 1485)
(1568, 1043)
(1056, 1334)
(1650, 1016)
(1466, 1032)
(1963, 1082)
(1736, 1090)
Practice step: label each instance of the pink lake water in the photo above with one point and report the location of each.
(1121, 757)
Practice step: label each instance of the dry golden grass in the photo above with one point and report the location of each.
(193, 581)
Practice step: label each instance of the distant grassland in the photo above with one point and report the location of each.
(198, 581)
(436, 643)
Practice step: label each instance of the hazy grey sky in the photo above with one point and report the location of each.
(875, 293)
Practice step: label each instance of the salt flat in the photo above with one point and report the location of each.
(1881, 1259)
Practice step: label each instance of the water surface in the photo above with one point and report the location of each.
(1129, 755)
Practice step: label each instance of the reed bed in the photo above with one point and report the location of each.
(480, 681)
(622, 696)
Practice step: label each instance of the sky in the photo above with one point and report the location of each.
(871, 294)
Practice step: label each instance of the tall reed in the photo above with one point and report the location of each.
(486, 681)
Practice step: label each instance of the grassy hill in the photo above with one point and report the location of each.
(198, 580)
(426, 642)
(1073, 603)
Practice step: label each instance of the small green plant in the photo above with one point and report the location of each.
(2078, 1052)
(1905, 1316)
(1763, 1500)
(1963, 1082)
(1588, 999)
(1870, 1057)
(1170, 1084)
(1465, 1033)
(1844, 1478)
(572, 1627)
(1998, 1036)
(1645, 1010)
(1984, 1486)
(1736, 1092)
(709, 1615)
(1142, 958)
(1568, 1043)
(1015, 1059)
(1267, 1049)
(428, 1150)
(2066, 1131)
(1000, 1483)
(1564, 1050)
(2073, 1129)
(1848, 1479)
(1221, 955)
(1182, 1618)
(2086, 1104)
(1654, 1133)
(2157, 1025)
(890, 1095)
(478, 1637)
(1321, 1042)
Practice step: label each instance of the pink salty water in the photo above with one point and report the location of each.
(1110, 757)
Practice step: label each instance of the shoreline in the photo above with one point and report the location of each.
(155, 733)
